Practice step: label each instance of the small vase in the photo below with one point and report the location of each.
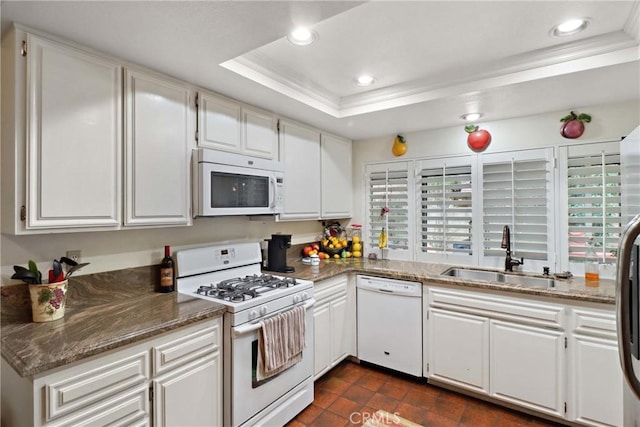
(48, 301)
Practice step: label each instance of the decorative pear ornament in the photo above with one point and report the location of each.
(399, 146)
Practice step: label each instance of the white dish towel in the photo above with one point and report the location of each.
(280, 342)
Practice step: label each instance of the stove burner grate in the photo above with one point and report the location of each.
(244, 288)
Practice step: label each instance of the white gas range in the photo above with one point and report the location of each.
(231, 275)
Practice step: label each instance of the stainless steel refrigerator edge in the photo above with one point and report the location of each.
(628, 278)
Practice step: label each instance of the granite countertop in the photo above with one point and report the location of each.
(574, 289)
(108, 310)
(104, 311)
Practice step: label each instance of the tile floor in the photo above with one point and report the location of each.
(350, 392)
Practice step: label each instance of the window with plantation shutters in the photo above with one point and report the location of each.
(516, 192)
(593, 200)
(388, 206)
(445, 197)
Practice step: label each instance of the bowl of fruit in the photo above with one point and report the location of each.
(334, 246)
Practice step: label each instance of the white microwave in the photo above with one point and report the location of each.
(233, 184)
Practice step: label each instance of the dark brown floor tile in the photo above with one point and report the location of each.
(362, 415)
(393, 388)
(344, 407)
(350, 375)
(310, 413)
(478, 415)
(509, 418)
(371, 382)
(424, 397)
(410, 412)
(329, 419)
(324, 398)
(294, 423)
(380, 401)
(335, 385)
(358, 394)
(450, 405)
(433, 419)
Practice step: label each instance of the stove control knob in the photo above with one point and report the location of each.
(253, 314)
(263, 310)
(297, 299)
(305, 295)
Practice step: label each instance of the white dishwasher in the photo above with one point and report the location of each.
(390, 323)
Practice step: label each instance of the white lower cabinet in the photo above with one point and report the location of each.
(334, 322)
(527, 366)
(458, 349)
(556, 358)
(123, 387)
(595, 376)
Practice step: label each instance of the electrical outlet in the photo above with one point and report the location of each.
(74, 255)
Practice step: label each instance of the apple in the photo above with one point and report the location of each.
(307, 250)
(573, 125)
(315, 247)
(478, 139)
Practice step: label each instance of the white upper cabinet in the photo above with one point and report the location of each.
(227, 125)
(158, 144)
(73, 137)
(301, 156)
(337, 193)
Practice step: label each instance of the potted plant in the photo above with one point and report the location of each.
(48, 300)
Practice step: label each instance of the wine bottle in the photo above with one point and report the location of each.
(167, 280)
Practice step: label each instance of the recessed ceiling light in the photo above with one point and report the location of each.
(365, 80)
(570, 27)
(302, 36)
(470, 117)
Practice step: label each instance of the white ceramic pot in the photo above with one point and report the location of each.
(48, 301)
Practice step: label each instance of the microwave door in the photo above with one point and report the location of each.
(628, 318)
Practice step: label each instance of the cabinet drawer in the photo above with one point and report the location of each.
(125, 410)
(95, 382)
(186, 347)
(598, 323)
(498, 307)
(329, 288)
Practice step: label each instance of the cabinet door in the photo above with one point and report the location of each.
(301, 155)
(259, 135)
(190, 395)
(527, 366)
(158, 150)
(321, 339)
(340, 331)
(74, 137)
(458, 349)
(218, 123)
(596, 381)
(337, 199)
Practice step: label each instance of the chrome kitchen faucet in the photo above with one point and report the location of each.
(506, 244)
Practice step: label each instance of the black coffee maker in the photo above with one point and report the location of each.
(277, 253)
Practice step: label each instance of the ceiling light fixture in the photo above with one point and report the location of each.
(302, 36)
(365, 80)
(570, 27)
(470, 117)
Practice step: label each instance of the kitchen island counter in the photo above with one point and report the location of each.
(104, 311)
(574, 288)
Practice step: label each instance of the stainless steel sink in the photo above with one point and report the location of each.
(500, 277)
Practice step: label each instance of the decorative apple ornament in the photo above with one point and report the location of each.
(478, 139)
(573, 126)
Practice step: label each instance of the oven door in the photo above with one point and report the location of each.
(246, 396)
(235, 190)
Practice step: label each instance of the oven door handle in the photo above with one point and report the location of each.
(250, 327)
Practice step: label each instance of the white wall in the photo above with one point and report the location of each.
(113, 250)
(609, 123)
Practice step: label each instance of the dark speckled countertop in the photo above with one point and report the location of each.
(104, 311)
(573, 289)
(112, 309)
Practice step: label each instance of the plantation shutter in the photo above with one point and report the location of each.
(388, 187)
(446, 208)
(594, 200)
(515, 192)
